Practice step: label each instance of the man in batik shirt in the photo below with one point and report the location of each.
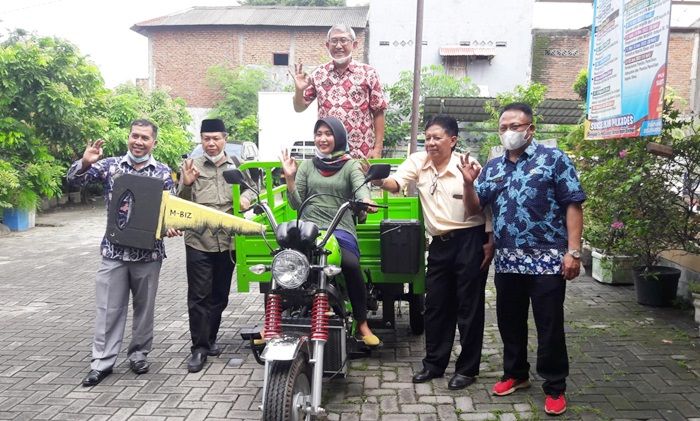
(347, 90)
(535, 197)
(123, 269)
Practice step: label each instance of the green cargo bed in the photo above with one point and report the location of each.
(252, 249)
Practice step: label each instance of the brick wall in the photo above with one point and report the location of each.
(557, 58)
(559, 55)
(680, 53)
(181, 56)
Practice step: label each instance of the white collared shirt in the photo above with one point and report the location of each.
(443, 209)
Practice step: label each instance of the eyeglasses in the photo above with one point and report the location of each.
(342, 41)
(433, 185)
(514, 127)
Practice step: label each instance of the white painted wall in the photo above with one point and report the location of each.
(280, 126)
(447, 22)
(197, 114)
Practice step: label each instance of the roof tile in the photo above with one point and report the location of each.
(355, 17)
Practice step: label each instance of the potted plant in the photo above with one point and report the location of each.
(9, 183)
(636, 205)
(680, 147)
(652, 219)
(675, 173)
(603, 171)
(650, 228)
(611, 261)
(21, 190)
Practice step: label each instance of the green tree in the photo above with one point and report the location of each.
(129, 102)
(51, 101)
(239, 89)
(292, 2)
(581, 84)
(532, 94)
(247, 129)
(642, 203)
(9, 183)
(434, 83)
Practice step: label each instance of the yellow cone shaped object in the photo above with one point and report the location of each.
(185, 215)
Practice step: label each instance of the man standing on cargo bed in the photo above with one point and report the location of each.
(347, 90)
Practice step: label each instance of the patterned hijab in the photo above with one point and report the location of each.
(328, 165)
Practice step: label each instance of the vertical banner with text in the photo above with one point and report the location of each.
(627, 68)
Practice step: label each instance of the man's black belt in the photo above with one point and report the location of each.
(454, 233)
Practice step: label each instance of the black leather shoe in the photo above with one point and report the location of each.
(94, 377)
(215, 351)
(424, 376)
(196, 362)
(459, 381)
(139, 367)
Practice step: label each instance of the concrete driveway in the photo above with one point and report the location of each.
(627, 361)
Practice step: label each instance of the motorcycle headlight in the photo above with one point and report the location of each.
(290, 268)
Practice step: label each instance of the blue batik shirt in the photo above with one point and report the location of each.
(528, 199)
(106, 171)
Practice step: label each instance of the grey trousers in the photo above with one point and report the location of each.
(115, 280)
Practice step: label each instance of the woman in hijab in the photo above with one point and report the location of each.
(332, 171)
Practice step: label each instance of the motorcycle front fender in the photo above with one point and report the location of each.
(283, 348)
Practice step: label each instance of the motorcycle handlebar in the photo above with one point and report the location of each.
(345, 206)
(262, 207)
(362, 204)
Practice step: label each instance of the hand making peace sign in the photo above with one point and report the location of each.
(301, 79)
(190, 173)
(469, 168)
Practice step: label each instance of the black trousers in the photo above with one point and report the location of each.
(355, 283)
(208, 286)
(455, 297)
(546, 292)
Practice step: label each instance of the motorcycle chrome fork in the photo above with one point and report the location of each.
(317, 361)
(266, 374)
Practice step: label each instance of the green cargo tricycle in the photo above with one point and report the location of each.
(308, 325)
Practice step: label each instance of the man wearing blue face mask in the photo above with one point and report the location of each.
(535, 197)
(123, 269)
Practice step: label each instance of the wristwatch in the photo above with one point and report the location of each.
(576, 254)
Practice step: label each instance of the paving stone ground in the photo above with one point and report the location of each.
(627, 361)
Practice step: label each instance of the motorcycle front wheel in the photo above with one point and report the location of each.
(288, 390)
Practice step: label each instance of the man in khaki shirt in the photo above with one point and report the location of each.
(458, 257)
(209, 257)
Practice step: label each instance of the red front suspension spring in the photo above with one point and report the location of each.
(273, 316)
(319, 317)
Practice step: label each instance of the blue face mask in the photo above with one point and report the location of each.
(138, 160)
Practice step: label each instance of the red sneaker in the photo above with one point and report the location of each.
(508, 386)
(555, 406)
